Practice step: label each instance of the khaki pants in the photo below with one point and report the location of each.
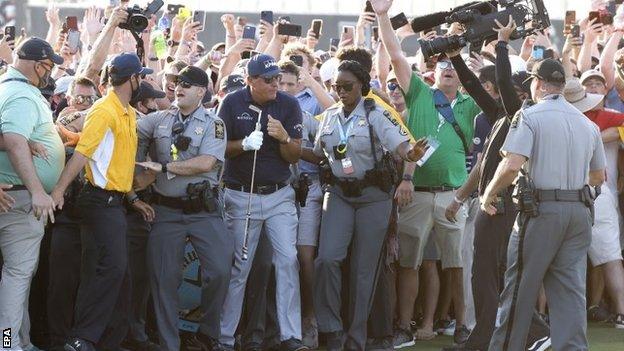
(20, 238)
(416, 220)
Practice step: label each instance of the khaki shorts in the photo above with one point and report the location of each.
(426, 212)
(605, 244)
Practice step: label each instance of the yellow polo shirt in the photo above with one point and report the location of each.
(109, 140)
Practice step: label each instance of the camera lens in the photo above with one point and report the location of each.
(138, 23)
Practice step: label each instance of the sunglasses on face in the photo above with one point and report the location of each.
(48, 67)
(86, 99)
(442, 65)
(344, 86)
(392, 86)
(270, 80)
(184, 85)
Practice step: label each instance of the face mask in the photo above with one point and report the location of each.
(43, 80)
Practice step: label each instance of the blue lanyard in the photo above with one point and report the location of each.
(344, 134)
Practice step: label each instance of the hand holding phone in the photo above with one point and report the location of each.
(200, 16)
(399, 21)
(9, 33)
(292, 30)
(249, 32)
(317, 26)
(538, 52)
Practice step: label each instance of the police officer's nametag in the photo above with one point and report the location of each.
(199, 130)
(219, 129)
(396, 123)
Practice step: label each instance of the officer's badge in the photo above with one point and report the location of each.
(361, 122)
(219, 129)
(199, 130)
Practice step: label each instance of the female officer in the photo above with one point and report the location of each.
(355, 210)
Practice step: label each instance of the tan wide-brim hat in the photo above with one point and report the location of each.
(575, 94)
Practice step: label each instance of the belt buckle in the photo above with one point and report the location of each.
(261, 189)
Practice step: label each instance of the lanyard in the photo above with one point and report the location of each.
(344, 134)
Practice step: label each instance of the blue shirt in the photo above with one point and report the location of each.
(240, 121)
(482, 128)
(308, 102)
(613, 101)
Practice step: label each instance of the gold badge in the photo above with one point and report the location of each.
(199, 130)
(361, 122)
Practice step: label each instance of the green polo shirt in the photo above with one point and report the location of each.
(24, 111)
(447, 165)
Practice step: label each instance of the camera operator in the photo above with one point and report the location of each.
(492, 232)
(432, 186)
(106, 150)
(189, 146)
(550, 239)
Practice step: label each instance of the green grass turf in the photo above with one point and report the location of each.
(602, 337)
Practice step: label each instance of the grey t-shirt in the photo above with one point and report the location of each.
(388, 134)
(208, 137)
(561, 144)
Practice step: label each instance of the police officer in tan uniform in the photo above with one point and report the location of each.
(358, 201)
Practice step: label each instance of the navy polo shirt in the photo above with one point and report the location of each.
(240, 121)
(482, 128)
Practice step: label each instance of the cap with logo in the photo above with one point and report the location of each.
(36, 49)
(592, 73)
(125, 65)
(548, 70)
(194, 76)
(232, 83)
(262, 66)
(575, 94)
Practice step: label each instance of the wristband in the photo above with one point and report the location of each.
(153, 59)
(408, 177)
(458, 201)
(172, 43)
(133, 199)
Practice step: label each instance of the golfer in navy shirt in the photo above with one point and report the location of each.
(278, 144)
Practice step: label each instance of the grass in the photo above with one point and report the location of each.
(602, 337)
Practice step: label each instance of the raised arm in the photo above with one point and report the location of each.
(511, 103)
(391, 42)
(606, 66)
(591, 42)
(473, 86)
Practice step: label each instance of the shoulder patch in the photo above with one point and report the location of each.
(219, 129)
(516, 120)
(395, 123)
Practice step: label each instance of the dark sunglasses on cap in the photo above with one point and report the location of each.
(345, 86)
(392, 86)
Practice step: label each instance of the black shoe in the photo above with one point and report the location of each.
(77, 344)
(461, 334)
(293, 344)
(209, 343)
(334, 341)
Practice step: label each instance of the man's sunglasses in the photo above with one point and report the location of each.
(442, 65)
(345, 86)
(88, 99)
(185, 85)
(270, 80)
(392, 86)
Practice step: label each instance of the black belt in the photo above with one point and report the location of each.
(560, 195)
(173, 202)
(17, 188)
(435, 189)
(115, 194)
(258, 189)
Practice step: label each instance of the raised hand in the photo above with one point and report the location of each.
(504, 32)
(381, 7)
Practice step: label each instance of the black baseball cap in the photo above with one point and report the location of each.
(36, 49)
(127, 64)
(148, 92)
(233, 82)
(548, 70)
(194, 76)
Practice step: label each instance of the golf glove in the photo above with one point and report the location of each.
(253, 141)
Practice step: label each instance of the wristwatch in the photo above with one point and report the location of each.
(153, 59)
(172, 43)
(407, 177)
(164, 167)
(133, 199)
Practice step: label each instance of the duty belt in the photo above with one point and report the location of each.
(258, 189)
(351, 187)
(188, 206)
(173, 202)
(560, 195)
(435, 189)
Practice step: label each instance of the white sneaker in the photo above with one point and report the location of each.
(619, 321)
(541, 344)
